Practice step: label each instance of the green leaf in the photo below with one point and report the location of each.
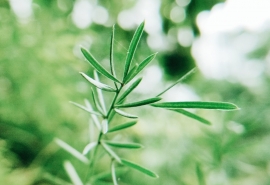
(197, 105)
(200, 175)
(132, 47)
(93, 116)
(71, 150)
(122, 113)
(97, 66)
(139, 103)
(74, 177)
(89, 147)
(104, 125)
(96, 102)
(123, 126)
(100, 94)
(123, 145)
(139, 168)
(111, 152)
(191, 115)
(178, 81)
(129, 90)
(111, 52)
(131, 74)
(113, 173)
(139, 68)
(85, 108)
(98, 84)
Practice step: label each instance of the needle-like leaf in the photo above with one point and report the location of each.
(97, 66)
(123, 145)
(93, 116)
(139, 168)
(139, 103)
(100, 94)
(71, 150)
(96, 102)
(197, 105)
(111, 52)
(89, 147)
(178, 81)
(191, 115)
(122, 113)
(132, 48)
(113, 173)
(123, 126)
(139, 68)
(86, 109)
(104, 125)
(111, 152)
(74, 177)
(98, 84)
(129, 90)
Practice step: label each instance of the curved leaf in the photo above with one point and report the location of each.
(98, 84)
(97, 66)
(123, 145)
(191, 115)
(139, 103)
(197, 105)
(129, 90)
(139, 168)
(122, 113)
(132, 47)
(123, 126)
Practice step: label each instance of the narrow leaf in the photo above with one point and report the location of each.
(123, 145)
(89, 147)
(122, 113)
(129, 90)
(97, 66)
(191, 115)
(85, 108)
(178, 81)
(96, 102)
(98, 84)
(104, 126)
(139, 68)
(131, 74)
(197, 105)
(111, 52)
(200, 175)
(71, 150)
(100, 94)
(132, 47)
(113, 173)
(139, 168)
(139, 103)
(74, 177)
(111, 152)
(123, 126)
(93, 116)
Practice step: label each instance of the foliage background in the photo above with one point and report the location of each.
(39, 65)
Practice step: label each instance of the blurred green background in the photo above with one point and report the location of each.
(39, 63)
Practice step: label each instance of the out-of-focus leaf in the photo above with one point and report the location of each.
(98, 84)
(123, 145)
(96, 102)
(178, 81)
(113, 173)
(197, 105)
(123, 126)
(74, 177)
(89, 147)
(191, 115)
(132, 48)
(93, 116)
(104, 125)
(111, 152)
(97, 66)
(200, 175)
(122, 113)
(100, 94)
(71, 150)
(139, 168)
(85, 108)
(139, 68)
(129, 90)
(139, 103)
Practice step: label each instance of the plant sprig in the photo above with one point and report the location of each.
(103, 116)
